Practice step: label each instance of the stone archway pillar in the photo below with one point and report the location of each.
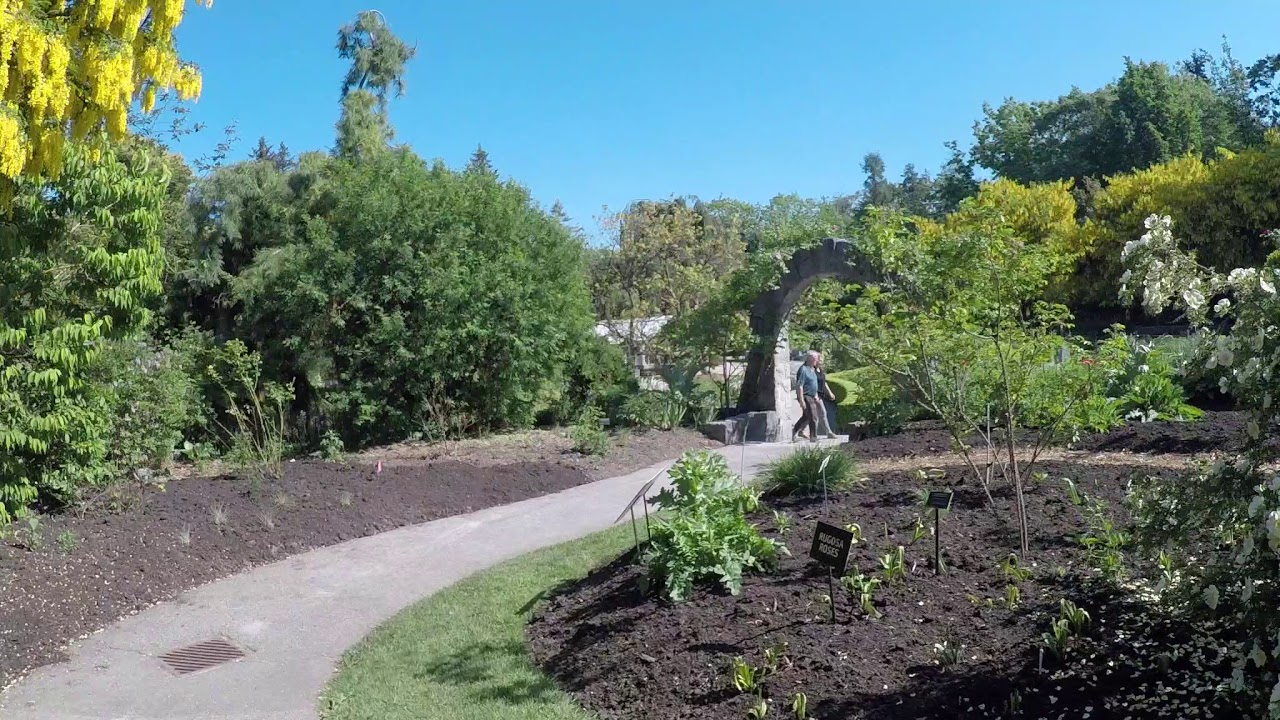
(784, 394)
(767, 407)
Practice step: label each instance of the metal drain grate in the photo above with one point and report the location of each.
(201, 656)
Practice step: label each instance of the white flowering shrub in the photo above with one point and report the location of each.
(1222, 522)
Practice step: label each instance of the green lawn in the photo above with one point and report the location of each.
(460, 654)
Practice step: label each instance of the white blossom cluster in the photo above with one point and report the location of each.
(1245, 507)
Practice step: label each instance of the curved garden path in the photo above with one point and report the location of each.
(295, 618)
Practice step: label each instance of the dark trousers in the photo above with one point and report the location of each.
(812, 406)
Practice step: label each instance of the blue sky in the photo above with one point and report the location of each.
(600, 103)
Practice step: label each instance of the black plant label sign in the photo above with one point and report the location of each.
(939, 499)
(831, 546)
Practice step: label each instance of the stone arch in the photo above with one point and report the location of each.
(766, 384)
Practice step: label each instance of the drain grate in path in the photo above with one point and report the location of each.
(201, 656)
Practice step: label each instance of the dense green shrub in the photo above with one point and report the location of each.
(661, 409)
(799, 472)
(597, 374)
(703, 533)
(421, 301)
(156, 402)
(587, 435)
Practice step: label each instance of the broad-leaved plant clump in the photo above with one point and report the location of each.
(704, 535)
(1220, 526)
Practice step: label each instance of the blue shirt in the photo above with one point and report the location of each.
(807, 379)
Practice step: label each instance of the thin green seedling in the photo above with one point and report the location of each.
(893, 565)
(1077, 618)
(947, 652)
(1073, 492)
(742, 675)
(856, 530)
(759, 709)
(1055, 641)
(1012, 569)
(782, 522)
(1012, 597)
(919, 531)
(800, 706)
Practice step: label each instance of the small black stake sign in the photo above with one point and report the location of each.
(939, 500)
(831, 546)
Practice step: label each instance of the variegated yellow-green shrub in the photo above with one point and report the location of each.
(79, 260)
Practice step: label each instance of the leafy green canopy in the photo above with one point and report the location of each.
(79, 260)
(419, 299)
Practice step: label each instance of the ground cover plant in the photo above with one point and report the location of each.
(1058, 633)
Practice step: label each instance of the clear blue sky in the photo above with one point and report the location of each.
(600, 103)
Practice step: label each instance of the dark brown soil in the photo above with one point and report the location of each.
(1217, 431)
(628, 657)
(138, 545)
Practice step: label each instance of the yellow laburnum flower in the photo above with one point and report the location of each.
(77, 67)
(104, 13)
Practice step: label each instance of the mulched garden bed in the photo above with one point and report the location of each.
(141, 545)
(1217, 431)
(629, 657)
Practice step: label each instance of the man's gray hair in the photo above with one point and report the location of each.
(815, 354)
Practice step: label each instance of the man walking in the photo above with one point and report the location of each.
(807, 394)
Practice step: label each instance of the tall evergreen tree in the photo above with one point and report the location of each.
(378, 59)
(479, 162)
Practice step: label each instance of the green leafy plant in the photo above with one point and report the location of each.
(742, 675)
(256, 411)
(68, 542)
(856, 531)
(800, 706)
(703, 532)
(1076, 617)
(864, 588)
(1104, 542)
(918, 531)
(759, 709)
(799, 472)
(1012, 570)
(1012, 597)
(660, 409)
(1056, 640)
(893, 565)
(587, 435)
(782, 521)
(331, 446)
(80, 264)
(28, 532)
(948, 652)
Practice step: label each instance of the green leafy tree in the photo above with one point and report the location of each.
(378, 59)
(420, 300)
(1148, 116)
(80, 258)
(957, 327)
